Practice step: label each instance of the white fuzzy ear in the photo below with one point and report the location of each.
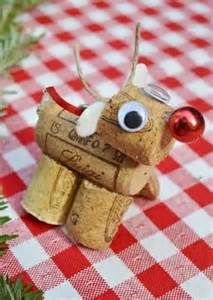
(140, 78)
(44, 101)
(88, 120)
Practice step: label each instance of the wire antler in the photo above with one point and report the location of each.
(135, 54)
(87, 86)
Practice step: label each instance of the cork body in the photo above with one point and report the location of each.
(88, 183)
(50, 193)
(95, 215)
(91, 156)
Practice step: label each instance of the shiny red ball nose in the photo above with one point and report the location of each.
(186, 124)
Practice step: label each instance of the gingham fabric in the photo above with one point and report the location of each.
(162, 249)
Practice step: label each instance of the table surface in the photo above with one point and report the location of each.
(162, 249)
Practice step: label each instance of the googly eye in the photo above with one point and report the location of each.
(132, 116)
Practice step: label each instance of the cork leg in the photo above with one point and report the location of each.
(95, 215)
(151, 189)
(49, 195)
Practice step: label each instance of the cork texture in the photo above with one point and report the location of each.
(147, 146)
(152, 188)
(95, 215)
(49, 195)
(91, 156)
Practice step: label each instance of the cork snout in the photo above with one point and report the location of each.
(147, 147)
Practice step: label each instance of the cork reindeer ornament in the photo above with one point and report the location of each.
(96, 158)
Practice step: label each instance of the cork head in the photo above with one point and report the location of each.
(135, 120)
(137, 124)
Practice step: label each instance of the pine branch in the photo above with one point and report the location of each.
(10, 290)
(23, 4)
(14, 43)
(5, 237)
(14, 47)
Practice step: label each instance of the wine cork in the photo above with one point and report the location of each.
(95, 215)
(147, 146)
(91, 156)
(152, 188)
(49, 195)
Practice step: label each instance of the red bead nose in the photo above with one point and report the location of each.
(186, 124)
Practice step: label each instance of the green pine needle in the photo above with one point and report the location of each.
(4, 220)
(5, 237)
(3, 204)
(10, 290)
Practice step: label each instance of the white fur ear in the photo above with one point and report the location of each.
(44, 101)
(140, 78)
(88, 120)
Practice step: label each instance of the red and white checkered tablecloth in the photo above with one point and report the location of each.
(162, 249)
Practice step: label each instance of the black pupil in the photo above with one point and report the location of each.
(133, 119)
